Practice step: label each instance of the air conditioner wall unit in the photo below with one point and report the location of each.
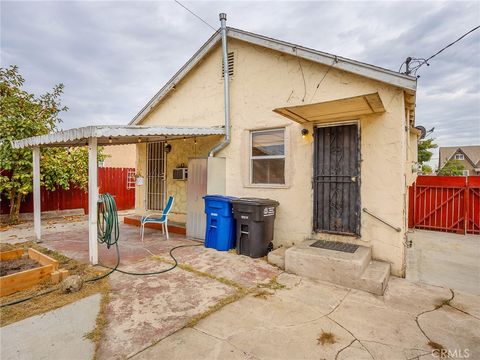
(180, 174)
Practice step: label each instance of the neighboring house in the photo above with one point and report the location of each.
(468, 156)
(119, 156)
(324, 135)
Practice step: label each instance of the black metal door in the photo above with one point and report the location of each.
(336, 180)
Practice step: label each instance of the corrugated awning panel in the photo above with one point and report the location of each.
(115, 135)
(334, 109)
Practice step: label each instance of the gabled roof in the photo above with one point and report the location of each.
(472, 154)
(390, 77)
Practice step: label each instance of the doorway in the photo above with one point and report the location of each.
(156, 167)
(336, 180)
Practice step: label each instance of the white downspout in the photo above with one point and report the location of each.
(226, 93)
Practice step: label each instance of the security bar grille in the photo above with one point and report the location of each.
(156, 166)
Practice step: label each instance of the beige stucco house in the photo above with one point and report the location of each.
(120, 156)
(331, 139)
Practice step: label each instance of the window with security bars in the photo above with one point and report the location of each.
(267, 156)
(156, 165)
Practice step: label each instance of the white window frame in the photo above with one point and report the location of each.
(465, 173)
(251, 157)
(459, 157)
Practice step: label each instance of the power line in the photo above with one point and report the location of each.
(197, 16)
(421, 61)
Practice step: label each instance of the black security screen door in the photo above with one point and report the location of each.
(336, 180)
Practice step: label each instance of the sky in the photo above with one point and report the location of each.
(113, 56)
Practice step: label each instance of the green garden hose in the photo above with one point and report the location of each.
(107, 220)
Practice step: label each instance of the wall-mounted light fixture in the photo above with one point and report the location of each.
(110, 140)
(139, 140)
(168, 147)
(304, 133)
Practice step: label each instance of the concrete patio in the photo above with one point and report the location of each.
(218, 305)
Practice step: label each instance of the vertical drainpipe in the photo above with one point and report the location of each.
(226, 94)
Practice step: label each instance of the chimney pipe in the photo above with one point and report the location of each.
(226, 93)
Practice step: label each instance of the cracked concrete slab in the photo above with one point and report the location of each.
(287, 324)
(193, 344)
(57, 334)
(279, 339)
(145, 309)
(466, 302)
(384, 324)
(355, 351)
(452, 329)
(242, 269)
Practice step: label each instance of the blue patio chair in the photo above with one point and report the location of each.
(158, 218)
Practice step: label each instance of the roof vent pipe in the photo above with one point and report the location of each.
(226, 94)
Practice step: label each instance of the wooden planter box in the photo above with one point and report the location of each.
(12, 283)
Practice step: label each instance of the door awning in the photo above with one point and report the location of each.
(334, 109)
(115, 135)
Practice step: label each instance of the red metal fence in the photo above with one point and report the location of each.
(111, 180)
(445, 203)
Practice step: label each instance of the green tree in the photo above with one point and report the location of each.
(451, 168)
(426, 169)
(22, 115)
(424, 153)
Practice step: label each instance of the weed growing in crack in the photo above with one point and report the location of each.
(262, 294)
(273, 284)
(326, 338)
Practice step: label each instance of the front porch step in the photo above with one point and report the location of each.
(355, 270)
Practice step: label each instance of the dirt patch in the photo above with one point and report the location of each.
(55, 299)
(8, 267)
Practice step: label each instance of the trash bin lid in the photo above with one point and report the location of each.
(256, 201)
(220, 198)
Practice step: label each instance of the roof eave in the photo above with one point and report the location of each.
(352, 66)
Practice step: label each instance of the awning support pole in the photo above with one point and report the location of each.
(92, 200)
(37, 222)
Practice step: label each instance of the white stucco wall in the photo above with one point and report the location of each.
(264, 80)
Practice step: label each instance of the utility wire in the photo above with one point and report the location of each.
(197, 16)
(453, 43)
(420, 61)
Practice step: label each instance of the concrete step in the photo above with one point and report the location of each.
(375, 278)
(277, 257)
(355, 270)
(325, 264)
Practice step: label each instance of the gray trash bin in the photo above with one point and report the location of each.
(255, 219)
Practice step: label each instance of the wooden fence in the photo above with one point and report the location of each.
(111, 180)
(445, 203)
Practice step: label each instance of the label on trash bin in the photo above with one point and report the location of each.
(244, 217)
(213, 214)
(269, 211)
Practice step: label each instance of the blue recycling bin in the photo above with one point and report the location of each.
(220, 230)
